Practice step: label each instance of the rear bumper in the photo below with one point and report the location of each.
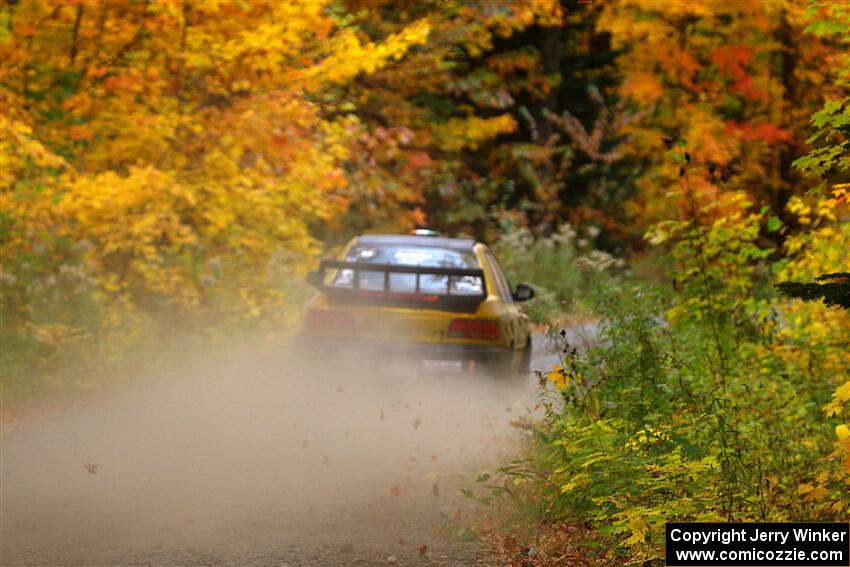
(387, 349)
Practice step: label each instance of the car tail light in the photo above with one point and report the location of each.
(328, 321)
(474, 329)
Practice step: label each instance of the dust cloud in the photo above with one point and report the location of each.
(239, 453)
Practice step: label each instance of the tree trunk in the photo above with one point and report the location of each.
(550, 53)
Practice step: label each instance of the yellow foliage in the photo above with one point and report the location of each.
(813, 328)
(558, 377)
(815, 336)
(638, 530)
(840, 400)
(350, 56)
(460, 133)
(197, 151)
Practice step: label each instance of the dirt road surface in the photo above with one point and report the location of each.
(231, 459)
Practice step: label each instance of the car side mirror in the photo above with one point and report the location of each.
(314, 278)
(523, 292)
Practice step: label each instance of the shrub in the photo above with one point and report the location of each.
(704, 401)
(556, 266)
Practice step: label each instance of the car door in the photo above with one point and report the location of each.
(517, 320)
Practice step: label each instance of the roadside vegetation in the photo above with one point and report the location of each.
(714, 400)
(558, 264)
(706, 395)
(170, 171)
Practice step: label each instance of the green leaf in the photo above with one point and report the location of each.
(778, 266)
(5, 21)
(773, 224)
(829, 27)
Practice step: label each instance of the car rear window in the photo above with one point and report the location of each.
(422, 256)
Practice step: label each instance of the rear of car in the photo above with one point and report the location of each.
(443, 302)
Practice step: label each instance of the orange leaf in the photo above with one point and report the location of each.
(81, 132)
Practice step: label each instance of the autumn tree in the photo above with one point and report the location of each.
(171, 160)
(735, 81)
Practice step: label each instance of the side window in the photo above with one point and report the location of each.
(501, 282)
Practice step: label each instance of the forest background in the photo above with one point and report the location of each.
(172, 169)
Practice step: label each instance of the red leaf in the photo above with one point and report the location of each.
(768, 133)
(730, 62)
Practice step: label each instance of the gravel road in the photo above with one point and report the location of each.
(231, 460)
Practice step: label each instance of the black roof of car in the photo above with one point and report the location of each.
(410, 240)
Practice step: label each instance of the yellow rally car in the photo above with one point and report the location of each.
(443, 302)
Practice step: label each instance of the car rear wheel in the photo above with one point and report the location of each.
(525, 361)
(511, 367)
